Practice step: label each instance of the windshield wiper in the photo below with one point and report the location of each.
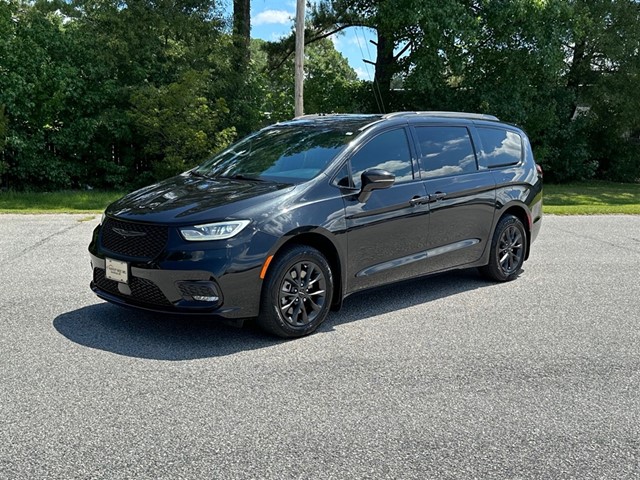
(242, 176)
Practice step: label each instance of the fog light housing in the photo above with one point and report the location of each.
(199, 291)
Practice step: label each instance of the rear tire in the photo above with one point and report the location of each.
(297, 293)
(508, 248)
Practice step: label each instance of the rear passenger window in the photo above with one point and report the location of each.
(388, 151)
(501, 147)
(446, 151)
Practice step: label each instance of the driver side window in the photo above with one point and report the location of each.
(388, 151)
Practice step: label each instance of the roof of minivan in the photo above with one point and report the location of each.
(342, 121)
(361, 121)
(351, 123)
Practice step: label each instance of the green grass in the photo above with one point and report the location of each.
(588, 198)
(591, 198)
(80, 201)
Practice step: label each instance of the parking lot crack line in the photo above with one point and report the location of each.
(39, 244)
(628, 247)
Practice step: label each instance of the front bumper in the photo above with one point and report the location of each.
(159, 290)
(178, 274)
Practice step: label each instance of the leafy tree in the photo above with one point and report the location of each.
(602, 71)
(4, 127)
(34, 78)
(244, 90)
(329, 80)
(72, 71)
(102, 92)
(503, 58)
(329, 17)
(330, 83)
(530, 62)
(180, 124)
(241, 33)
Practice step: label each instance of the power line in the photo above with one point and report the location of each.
(376, 85)
(366, 62)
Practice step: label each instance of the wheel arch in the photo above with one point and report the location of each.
(322, 243)
(522, 214)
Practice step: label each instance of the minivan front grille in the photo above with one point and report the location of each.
(136, 240)
(142, 290)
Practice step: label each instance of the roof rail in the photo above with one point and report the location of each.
(313, 115)
(477, 116)
(324, 115)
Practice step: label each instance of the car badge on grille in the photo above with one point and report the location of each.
(128, 233)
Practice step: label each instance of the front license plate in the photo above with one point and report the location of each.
(116, 270)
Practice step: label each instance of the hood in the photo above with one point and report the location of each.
(188, 198)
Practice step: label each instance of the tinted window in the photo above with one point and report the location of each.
(446, 151)
(290, 153)
(343, 179)
(501, 147)
(388, 151)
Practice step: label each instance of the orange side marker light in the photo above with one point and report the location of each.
(263, 272)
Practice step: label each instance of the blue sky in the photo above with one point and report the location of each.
(272, 19)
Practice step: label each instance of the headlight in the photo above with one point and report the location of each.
(213, 231)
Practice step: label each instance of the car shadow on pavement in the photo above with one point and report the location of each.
(404, 294)
(169, 337)
(157, 336)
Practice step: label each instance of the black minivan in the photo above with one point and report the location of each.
(287, 222)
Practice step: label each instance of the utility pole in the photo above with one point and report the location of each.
(299, 63)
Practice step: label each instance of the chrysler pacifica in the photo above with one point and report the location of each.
(287, 222)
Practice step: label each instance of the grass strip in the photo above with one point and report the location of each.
(74, 201)
(592, 198)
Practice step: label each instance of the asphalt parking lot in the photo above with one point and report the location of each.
(445, 377)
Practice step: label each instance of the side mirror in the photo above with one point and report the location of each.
(374, 179)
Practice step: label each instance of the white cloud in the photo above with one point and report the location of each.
(272, 16)
(362, 73)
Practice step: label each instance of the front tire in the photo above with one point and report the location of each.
(297, 293)
(508, 248)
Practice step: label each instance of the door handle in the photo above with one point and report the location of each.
(434, 197)
(419, 200)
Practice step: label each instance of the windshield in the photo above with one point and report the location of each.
(288, 154)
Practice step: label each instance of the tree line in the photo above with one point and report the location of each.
(119, 93)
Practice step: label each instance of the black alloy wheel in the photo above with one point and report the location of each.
(510, 249)
(507, 250)
(302, 293)
(297, 292)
